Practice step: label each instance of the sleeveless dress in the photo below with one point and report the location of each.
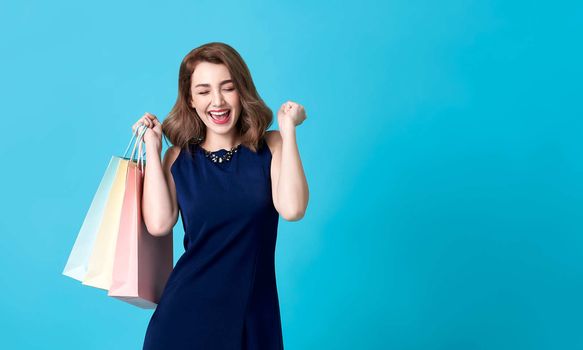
(222, 292)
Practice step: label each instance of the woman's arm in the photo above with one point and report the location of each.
(159, 204)
(288, 181)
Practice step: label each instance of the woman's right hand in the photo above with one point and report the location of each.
(153, 135)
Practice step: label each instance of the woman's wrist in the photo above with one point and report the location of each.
(154, 147)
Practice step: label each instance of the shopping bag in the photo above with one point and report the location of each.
(142, 262)
(100, 265)
(78, 261)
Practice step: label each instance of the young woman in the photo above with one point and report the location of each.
(230, 179)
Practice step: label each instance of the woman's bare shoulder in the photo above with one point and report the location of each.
(273, 139)
(170, 156)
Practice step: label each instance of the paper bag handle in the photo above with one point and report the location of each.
(141, 130)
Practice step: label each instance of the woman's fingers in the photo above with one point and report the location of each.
(136, 126)
(143, 121)
(140, 123)
(156, 121)
(152, 118)
(148, 119)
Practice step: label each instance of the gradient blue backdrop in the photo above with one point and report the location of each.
(443, 149)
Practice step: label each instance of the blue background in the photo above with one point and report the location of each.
(443, 151)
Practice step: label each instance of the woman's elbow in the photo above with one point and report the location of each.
(294, 215)
(159, 231)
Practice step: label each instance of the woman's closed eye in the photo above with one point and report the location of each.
(206, 92)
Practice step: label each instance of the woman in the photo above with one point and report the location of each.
(230, 179)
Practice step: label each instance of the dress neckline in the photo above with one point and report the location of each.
(198, 148)
(221, 150)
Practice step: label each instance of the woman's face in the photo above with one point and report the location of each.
(213, 91)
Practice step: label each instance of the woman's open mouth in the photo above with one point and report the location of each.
(220, 118)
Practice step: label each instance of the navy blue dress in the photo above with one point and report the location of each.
(222, 292)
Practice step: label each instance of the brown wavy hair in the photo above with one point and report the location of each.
(183, 126)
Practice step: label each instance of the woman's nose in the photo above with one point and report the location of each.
(217, 99)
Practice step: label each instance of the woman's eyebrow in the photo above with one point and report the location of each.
(208, 85)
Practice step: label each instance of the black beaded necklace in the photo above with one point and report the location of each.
(220, 159)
